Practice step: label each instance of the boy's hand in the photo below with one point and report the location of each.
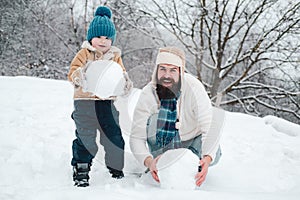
(128, 84)
(77, 77)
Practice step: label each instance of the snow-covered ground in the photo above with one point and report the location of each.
(261, 156)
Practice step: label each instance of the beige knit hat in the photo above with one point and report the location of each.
(171, 55)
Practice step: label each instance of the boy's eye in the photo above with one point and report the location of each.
(103, 37)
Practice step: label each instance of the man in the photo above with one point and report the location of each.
(174, 111)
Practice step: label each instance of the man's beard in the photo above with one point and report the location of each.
(165, 92)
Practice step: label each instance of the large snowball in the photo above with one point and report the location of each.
(177, 169)
(104, 78)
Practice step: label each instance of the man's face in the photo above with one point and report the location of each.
(168, 75)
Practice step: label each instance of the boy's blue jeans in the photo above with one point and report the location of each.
(90, 116)
(195, 144)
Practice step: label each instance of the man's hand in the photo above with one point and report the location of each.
(200, 176)
(151, 164)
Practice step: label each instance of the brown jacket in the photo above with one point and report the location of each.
(86, 54)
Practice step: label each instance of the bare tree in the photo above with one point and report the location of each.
(39, 38)
(137, 39)
(234, 42)
(246, 52)
(41, 41)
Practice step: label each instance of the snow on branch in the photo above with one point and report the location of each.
(42, 21)
(255, 85)
(256, 98)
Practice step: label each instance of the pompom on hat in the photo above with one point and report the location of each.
(102, 25)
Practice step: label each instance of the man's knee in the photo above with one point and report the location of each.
(195, 145)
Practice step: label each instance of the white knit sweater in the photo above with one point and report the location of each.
(194, 114)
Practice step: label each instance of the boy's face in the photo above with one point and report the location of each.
(101, 43)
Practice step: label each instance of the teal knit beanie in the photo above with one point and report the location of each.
(102, 25)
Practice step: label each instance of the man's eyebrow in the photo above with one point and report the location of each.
(162, 66)
(174, 68)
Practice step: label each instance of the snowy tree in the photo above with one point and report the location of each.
(239, 49)
(36, 38)
(40, 38)
(136, 38)
(246, 52)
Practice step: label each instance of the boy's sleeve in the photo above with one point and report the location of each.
(78, 61)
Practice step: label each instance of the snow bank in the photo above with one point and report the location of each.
(283, 125)
(36, 131)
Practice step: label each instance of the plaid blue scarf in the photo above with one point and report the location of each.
(167, 136)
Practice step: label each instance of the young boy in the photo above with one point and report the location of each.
(93, 113)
